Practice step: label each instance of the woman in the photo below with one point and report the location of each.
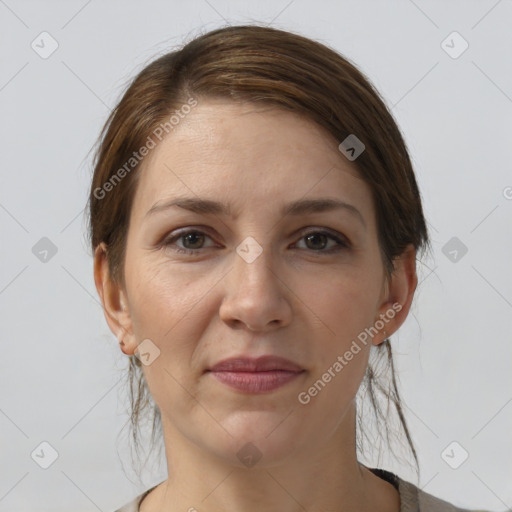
(255, 222)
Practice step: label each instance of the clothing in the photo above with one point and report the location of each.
(412, 498)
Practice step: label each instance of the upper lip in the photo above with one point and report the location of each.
(260, 364)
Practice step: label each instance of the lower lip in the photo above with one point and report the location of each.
(256, 382)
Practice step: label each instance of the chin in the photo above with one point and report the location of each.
(258, 439)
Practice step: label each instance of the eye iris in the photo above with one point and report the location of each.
(188, 237)
(315, 236)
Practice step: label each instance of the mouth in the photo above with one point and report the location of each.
(261, 375)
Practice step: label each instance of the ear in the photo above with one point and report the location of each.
(398, 294)
(114, 301)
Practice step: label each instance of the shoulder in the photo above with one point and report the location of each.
(413, 499)
(134, 504)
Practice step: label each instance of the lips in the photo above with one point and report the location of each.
(262, 375)
(260, 364)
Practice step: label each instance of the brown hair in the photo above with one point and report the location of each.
(277, 68)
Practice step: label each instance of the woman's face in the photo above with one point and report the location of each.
(254, 280)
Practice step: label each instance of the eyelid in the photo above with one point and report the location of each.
(302, 232)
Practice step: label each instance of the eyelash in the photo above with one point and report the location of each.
(341, 244)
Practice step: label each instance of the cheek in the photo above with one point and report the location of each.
(345, 302)
(162, 295)
(170, 308)
(164, 308)
(345, 307)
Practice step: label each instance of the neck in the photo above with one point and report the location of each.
(326, 476)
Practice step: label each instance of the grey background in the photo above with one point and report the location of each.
(61, 370)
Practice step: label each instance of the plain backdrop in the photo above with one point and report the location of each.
(61, 371)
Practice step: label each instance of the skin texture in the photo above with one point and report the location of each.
(295, 300)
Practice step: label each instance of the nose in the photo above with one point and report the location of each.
(255, 295)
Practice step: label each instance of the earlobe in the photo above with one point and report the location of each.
(113, 299)
(399, 294)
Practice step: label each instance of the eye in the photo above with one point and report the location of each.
(193, 240)
(318, 240)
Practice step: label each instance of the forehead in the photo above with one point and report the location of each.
(247, 155)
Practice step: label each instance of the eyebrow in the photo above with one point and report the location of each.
(299, 207)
